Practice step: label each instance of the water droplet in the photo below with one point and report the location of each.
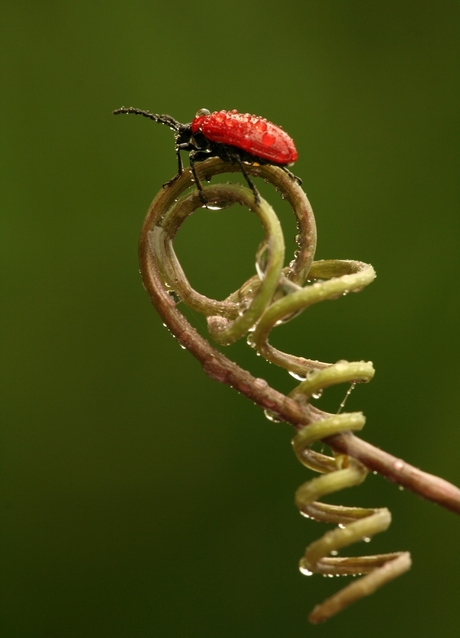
(218, 205)
(366, 539)
(318, 394)
(299, 377)
(268, 139)
(398, 465)
(250, 341)
(272, 416)
(305, 571)
(243, 306)
(334, 552)
(349, 391)
(262, 256)
(260, 383)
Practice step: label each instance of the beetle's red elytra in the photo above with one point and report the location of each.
(232, 136)
(250, 133)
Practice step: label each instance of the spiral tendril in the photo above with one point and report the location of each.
(274, 295)
(354, 524)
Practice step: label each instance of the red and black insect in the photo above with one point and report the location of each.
(232, 136)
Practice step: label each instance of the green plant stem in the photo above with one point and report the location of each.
(220, 368)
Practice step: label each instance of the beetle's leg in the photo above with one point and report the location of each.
(196, 178)
(291, 175)
(180, 168)
(236, 158)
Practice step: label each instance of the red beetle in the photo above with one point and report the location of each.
(232, 136)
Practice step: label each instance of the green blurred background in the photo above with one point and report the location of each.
(140, 498)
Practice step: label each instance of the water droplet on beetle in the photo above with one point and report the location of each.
(261, 125)
(268, 139)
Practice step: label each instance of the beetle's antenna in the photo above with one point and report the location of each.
(162, 119)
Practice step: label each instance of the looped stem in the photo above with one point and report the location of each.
(226, 331)
(272, 296)
(345, 276)
(152, 254)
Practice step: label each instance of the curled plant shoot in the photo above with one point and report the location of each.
(275, 294)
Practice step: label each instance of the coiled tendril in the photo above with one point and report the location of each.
(276, 294)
